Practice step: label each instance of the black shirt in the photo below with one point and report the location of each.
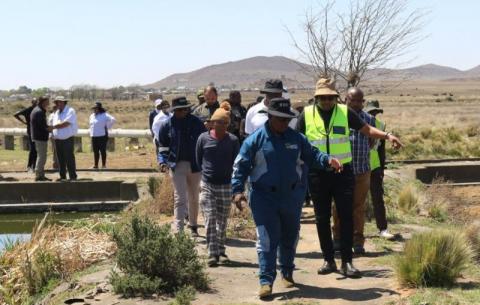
(26, 113)
(354, 121)
(38, 122)
(237, 114)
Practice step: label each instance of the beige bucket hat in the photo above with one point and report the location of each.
(325, 86)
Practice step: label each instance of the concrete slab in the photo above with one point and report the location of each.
(457, 173)
(91, 206)
(75, 191)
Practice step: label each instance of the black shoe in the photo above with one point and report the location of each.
(358, 250)
(223, 259)
(194, 230)
(212, 261)
(349, 270)
(61, 179)
(328, 267)
(42, 179)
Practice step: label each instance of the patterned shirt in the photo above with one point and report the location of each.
(361, 146)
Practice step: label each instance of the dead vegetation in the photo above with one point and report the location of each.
(53, 253)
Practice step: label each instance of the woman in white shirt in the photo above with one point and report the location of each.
(100, 123)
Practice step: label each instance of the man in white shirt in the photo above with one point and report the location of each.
(163, 115)
(257, 115)
(64, 129)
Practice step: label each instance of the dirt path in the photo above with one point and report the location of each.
(238, 283)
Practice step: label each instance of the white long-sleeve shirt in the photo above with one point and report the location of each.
(67, 115)
(256, 118)
(159, 118)
(100, 123)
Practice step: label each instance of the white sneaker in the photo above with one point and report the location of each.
(387, 235)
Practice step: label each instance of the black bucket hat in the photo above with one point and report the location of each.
(180, 102)
(280, 107)
(373, 107)
(273, 86)
(98, 105)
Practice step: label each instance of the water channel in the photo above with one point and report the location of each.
(15, 227)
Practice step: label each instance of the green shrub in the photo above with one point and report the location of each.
(438, 212)
(472, 233)
(184, 296)
(41, 270)
(153, 260)
(433, 259)
(408, 198)
(153, 185)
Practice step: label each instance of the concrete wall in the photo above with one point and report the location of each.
(453, 173)
(79, 191)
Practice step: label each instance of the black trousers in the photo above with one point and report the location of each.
(377, 192)
(32, 154)
(325, 186)
(99, 147)
(66, 158)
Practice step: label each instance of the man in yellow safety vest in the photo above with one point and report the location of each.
(327, 124)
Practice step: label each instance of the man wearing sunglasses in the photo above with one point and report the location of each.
(327, 125)
(276, 159)
(177, 139)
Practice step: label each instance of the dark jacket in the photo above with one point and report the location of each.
(204, 112)
(27, 112)
(38, 124)
(151, 117)
(169, 140)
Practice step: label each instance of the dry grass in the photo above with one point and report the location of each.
(240, 224)
(472, 233)
(408, 199)
(53, 251)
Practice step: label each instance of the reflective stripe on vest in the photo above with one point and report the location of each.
(338, 132)
(374, 157)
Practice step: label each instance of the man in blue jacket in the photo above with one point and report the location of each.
(177, 139)
(276, 158)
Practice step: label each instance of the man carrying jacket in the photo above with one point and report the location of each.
(327, 125)
(177, 138)
(276, 159)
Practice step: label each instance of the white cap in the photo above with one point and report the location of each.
(158, 102)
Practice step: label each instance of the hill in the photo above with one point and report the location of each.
(252, 73)
(246, 73)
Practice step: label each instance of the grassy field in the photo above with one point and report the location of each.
(434, 119)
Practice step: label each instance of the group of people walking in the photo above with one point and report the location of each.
(281, 154)
(60, 128)
(326, 150)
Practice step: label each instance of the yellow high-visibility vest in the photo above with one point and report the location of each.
(374, 157)
(336, 136)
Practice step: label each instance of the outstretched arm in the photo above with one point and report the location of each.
(376, 133)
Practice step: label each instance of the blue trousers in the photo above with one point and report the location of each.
(277, 220)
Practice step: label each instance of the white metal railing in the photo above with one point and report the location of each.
(115, 133)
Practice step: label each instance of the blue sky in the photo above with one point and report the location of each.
(108, 43)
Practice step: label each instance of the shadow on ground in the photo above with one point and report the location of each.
(331, 293)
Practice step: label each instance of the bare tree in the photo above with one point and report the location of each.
(368, 35)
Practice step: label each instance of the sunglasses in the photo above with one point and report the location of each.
(284, 120)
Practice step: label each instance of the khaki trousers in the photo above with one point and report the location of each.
(186, 192)
(41, 147)
(360, 192)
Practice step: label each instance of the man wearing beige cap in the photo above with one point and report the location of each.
(65, 127)
(327, 125)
